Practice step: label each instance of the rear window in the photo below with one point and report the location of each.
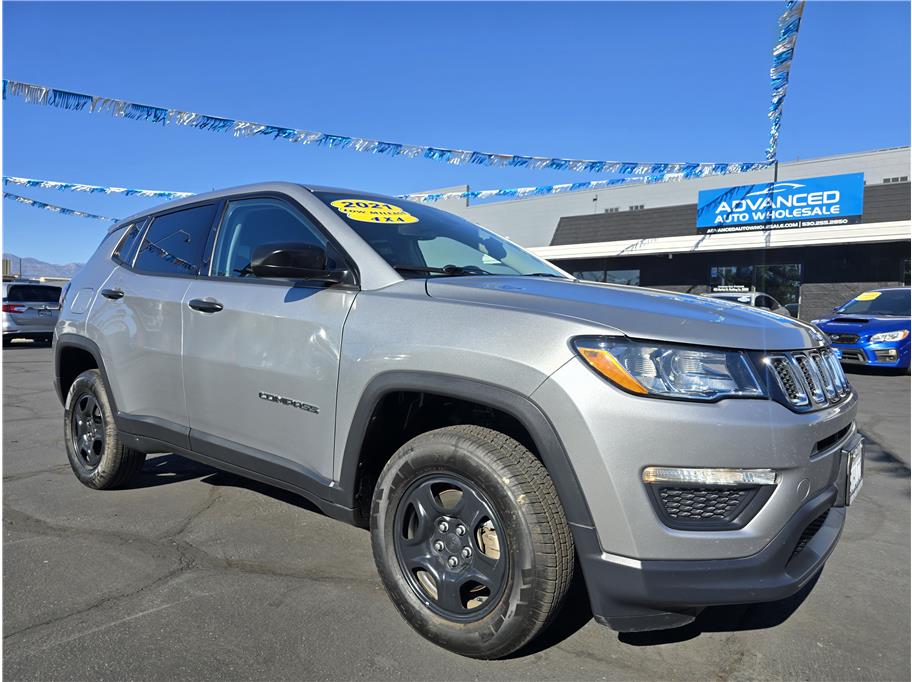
(32, 293)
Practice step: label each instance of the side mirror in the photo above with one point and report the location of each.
(293, 261)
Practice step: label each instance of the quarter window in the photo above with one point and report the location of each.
(175, 242)
(127, 247)
(249, 223)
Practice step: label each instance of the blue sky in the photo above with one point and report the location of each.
(628, 81)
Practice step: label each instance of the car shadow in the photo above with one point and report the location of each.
(868, 370)
(226, 479)
(732, 618)
(168, 468)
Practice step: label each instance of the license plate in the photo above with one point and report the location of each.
(854, 472)
(44, 313)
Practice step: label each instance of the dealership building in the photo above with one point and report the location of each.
(827, 229)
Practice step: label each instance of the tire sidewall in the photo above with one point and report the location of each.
(498, 631)
(90, 382)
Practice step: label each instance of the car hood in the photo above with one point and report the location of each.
(862, 324)
(634, 311)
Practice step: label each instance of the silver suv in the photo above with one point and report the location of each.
(29, 310)
(493, 422)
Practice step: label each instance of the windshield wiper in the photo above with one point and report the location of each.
(445, 270)
(544, 274)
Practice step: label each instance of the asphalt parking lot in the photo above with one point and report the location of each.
(194, 574)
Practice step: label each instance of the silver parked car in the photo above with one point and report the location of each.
(30, 310)
(491, 420)
(757, 299)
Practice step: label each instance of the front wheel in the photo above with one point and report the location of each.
(471, 540)
(97, 456)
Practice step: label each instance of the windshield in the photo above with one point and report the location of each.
(421, 241)
(891, 303)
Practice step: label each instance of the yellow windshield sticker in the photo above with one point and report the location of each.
(373, 211)
(867, 296)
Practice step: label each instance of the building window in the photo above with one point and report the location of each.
(629, 277)
(613, 209)
(904, 178)
(589, 275)
(637, 207)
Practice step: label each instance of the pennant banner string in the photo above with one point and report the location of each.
(75, 101)
(424, 197)
(783, 54)
(62, 210)
(94, 189)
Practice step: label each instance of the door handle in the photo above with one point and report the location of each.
(205, 306)
(113, 294)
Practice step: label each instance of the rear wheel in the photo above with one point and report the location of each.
(471, 541)
(97, 456)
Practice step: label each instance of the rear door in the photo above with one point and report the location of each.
(261, 356)
(32, 308)
(136, 318)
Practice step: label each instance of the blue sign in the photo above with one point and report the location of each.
(811, 202)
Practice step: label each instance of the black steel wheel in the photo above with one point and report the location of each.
(448, 547)
(471, 540)
(97, 455)
(87, 430)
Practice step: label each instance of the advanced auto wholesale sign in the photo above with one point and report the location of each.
(811, 202)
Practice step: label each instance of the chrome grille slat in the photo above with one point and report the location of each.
(809, 379)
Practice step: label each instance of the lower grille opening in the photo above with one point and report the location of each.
(707, 507)
(830, 441)
(812, 529)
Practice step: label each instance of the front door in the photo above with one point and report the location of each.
(261, 356)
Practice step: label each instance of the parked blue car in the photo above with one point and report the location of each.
(872, 329)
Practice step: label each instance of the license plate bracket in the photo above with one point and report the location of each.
(854, 472)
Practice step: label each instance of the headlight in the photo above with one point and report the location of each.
(890, 336)
(667, 371)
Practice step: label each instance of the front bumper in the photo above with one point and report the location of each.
(643, 574)
(651, 595)
(895, 354)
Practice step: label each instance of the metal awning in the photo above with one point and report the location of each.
(734, 241)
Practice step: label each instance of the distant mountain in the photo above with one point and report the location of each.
(32, 267)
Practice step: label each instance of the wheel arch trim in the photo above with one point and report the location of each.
(548, 444)
(65, 341)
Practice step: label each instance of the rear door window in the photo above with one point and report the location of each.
(33, 293)
(175, 242)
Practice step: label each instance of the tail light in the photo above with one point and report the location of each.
(14, 308)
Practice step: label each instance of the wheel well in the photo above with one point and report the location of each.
(401, 415)
(73, 362)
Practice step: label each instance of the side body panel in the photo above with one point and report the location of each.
(139, 336)
(401, 329)
(262, 372)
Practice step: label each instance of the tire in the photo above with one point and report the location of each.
(524, 568)
(97, 456)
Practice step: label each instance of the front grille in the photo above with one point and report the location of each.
(844, 338)
(812, 529)
(809, 379)
(703, 504)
